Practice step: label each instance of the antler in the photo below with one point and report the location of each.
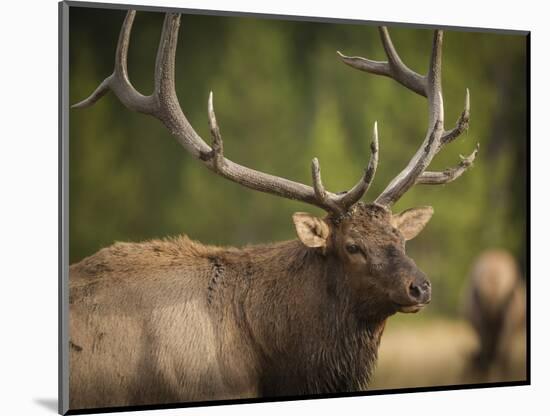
(163, 104)
(436, 137)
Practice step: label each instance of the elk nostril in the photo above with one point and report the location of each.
(414, 291)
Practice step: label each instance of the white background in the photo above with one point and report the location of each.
(28, 205)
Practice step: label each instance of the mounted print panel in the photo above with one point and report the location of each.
(265, 208)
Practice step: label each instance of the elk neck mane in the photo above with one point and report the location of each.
(296, 307)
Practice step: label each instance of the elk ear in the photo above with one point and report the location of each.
(412, 221)
(312, 231)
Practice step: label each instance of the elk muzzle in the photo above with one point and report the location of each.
(419, 294)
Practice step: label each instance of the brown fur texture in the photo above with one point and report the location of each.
(174, 320)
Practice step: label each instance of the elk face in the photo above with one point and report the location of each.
(369, 243)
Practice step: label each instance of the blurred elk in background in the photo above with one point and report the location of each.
(495, 305)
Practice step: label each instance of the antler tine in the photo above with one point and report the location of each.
(357, 192)
(163, 104)
(320, 193)
(98, 93)
(217, 142)
(433, 87)
(461, 125)
(401, 72)
(118, 81)
(121, 54)
(165, 84)
(393, 68)
(448, 175)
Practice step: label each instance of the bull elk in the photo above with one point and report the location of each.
(174, 320)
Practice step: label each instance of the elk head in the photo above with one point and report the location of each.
(369, 244)
(368, 240)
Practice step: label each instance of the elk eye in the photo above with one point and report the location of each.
(353, 248)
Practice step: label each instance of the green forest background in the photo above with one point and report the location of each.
(282, 96)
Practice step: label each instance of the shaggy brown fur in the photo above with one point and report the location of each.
(174, 320)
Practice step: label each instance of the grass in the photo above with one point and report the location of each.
(428, 352)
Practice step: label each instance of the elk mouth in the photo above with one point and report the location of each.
(410, 308)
